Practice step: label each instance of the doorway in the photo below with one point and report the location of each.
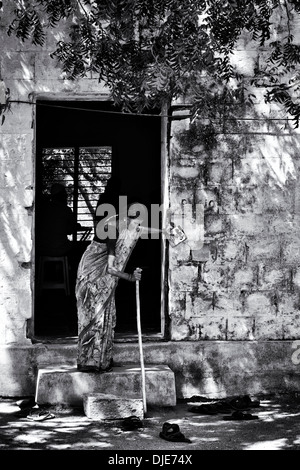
(83, 143)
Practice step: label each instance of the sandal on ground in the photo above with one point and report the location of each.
(40, 415)
(131, 423)
(222, 407)
(171, 432)
(243, 403)
(24, 412)
(240, 416)
(26, 403)
(203, 409)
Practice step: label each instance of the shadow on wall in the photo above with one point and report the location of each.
(16, 202)
(217, 369)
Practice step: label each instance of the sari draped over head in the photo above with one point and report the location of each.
(95, 294)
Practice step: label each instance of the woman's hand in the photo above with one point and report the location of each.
(110, 265)
(137, 274)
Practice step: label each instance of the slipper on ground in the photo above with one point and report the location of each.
(244, 403)
(171, 432)
(26, 403)
(40, 416)
(203, 409)
(240, 416)
(131, 423)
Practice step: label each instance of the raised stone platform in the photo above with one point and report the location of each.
(66, 385)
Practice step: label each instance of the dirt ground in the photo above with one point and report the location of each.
(277, 428)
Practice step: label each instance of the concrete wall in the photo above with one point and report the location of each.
(233, 304)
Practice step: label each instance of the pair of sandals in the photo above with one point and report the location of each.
(170, 432)
(226, 406)
(211, 409)
(30, 410)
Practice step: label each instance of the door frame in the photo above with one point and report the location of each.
(164, 163)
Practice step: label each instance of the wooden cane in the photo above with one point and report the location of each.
(138, 316)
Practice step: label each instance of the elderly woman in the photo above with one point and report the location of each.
(100, 268)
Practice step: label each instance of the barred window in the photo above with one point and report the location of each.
(84, 171)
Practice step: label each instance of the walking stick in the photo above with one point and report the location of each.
(137, 291)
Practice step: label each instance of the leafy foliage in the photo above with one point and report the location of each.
(149, 52)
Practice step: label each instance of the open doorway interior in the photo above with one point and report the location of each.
(82, 144)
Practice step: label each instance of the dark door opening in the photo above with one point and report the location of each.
(84, 143)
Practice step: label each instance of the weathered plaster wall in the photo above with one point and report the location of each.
(28, 72)
(16, 194)
(244, 282)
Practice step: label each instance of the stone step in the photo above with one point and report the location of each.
(64, 384)
(100, 406)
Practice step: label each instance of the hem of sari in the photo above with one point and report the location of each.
(82, 368)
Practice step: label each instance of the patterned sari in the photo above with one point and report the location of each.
(95, 294)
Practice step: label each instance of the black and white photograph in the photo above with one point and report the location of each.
(149, 229)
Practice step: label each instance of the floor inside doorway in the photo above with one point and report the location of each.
(58, 319)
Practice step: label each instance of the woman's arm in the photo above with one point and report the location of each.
(151, 230)
(135, 276)
(111, 247)
(114, 272)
